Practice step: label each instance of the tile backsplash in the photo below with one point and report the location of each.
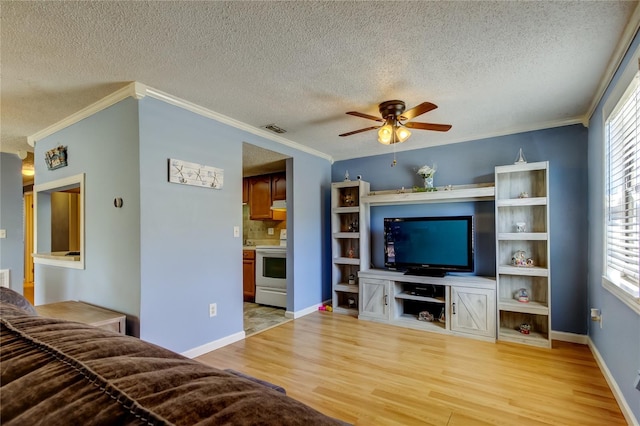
(256, 232)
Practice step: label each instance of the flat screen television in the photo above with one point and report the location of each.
(429, 245)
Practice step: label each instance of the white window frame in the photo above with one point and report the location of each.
(627, 85)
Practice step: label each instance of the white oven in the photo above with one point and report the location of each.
(271, 275)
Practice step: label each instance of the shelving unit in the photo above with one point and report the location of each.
(522, 196)
(463, 305)
(349, 243)
(457, 193)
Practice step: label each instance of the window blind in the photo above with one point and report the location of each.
(623, 191)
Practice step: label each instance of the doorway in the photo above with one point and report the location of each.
(263, 220)
(28, 284)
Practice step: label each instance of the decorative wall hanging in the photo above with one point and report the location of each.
(186, 173)
(56, 157)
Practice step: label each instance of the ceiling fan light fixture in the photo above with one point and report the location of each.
(402, 134)
(385, 134)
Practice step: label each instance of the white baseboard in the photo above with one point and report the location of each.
(613, 385)
(302, 312)
(212, 346)
(563, 336)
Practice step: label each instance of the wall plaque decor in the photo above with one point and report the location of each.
(186, 173)
(56, 157)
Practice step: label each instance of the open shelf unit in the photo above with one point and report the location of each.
(522, 225)
(349, 243)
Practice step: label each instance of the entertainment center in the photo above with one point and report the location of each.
(513, 306)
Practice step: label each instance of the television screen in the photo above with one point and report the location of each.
(429, 245)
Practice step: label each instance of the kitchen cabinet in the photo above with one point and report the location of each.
(263, 191)
(249, 275)
(278, 186)
(260, 197)
(245, 191)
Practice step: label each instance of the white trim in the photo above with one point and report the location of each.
(563, 336)
(506, 132)
(617, 56)
(197, 109)
(632, 302)
(212, 346)
(107, 101)
(139, 90)
(613, 385)
(306, 311)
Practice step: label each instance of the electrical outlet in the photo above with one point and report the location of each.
(270, 231)
(213, 310)
(3, 233)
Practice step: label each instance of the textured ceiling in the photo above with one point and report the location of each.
(491, 67)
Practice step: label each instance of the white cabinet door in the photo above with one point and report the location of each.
(374, 299)
(473, 311)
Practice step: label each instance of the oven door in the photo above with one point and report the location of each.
(271, 269)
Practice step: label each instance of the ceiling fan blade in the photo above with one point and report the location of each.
(367, 116)
(360, 131)
(418, 110)
(428, 126)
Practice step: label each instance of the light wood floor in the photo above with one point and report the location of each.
(375, 374)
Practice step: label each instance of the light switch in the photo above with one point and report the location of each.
(236, 231)
(3, 233)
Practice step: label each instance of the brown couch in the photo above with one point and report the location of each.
(55, 372)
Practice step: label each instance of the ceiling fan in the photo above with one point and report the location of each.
(397, 121)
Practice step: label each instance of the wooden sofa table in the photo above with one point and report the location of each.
(85, 313)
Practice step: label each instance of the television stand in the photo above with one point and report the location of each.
(426, 272)
(463, 305)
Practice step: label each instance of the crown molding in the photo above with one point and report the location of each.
(197, 109)
(139, 90)
(107, 101)
(506, 132)
(617, 56)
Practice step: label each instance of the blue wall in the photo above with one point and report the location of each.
(189, 257)
(170, 250)
(12, 247)
(105, 148)
(618, 342)
(474, 162)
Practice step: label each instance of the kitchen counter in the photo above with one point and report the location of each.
(248, 247)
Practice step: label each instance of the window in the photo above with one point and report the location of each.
(622, 197)
(59, 223)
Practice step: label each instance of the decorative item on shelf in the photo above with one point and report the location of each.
(353, 226)
(346, 176)
(442, 318)
(350, 253)
(348, 200)
(427, 173)
(352, 279)
(351, 302)
(448, 188)
(521, 227)
(520, 259)
(56, 157)
(523, 194)
(525, 328)
(359, 177)
(522, 295)
(520, 158)
(425, 316)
